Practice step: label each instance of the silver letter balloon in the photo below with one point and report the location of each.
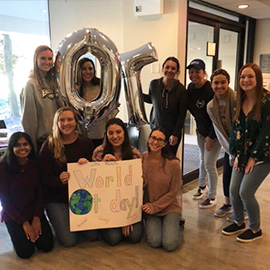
(90, 40)
(132, 64)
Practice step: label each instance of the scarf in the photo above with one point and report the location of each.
(229, 113)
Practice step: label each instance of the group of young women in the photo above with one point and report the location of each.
(34, 172)
(239, 123)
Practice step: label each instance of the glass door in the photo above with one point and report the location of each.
(228, 36)
(198, 36)
(227, 53)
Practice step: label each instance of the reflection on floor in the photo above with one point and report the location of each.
(203, 246)
(191, 158)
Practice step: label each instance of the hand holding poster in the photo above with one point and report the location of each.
(105, 194)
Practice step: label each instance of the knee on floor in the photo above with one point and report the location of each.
(25, 254)
(154, 242)
(170, 245)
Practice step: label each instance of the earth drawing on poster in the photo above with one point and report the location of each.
(80, 202)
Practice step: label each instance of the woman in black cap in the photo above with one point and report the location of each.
(199, 94)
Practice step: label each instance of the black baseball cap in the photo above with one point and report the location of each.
(197, 63)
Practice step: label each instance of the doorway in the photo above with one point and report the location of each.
(227, 34)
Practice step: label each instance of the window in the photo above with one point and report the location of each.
(24, 26)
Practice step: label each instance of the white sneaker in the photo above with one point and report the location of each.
(208, 203)
(200, 193)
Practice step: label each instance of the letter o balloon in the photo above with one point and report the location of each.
(71, 48)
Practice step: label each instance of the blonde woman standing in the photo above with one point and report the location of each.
(40, 98)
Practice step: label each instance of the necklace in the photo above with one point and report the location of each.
(23, 168)
(23, 165)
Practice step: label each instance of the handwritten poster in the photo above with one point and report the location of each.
(105, 194)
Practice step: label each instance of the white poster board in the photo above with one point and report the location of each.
(105, 194)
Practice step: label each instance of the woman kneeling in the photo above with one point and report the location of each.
(162, 183)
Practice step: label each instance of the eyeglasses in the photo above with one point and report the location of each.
(159, 140)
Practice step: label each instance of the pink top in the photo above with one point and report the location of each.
(162, 185)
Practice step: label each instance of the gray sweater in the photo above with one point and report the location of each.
(38, 109)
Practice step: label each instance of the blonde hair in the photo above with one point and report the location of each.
(56, 144)
(256, 110)
(50, 76)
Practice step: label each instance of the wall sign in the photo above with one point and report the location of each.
(265, 63)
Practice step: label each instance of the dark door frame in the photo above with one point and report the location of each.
(218, 22)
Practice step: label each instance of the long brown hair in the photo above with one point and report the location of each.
(126, 146)
(256, 110)
(56, 144)
(50, 76)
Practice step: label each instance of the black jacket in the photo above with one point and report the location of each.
(169, 107)
(197, 101)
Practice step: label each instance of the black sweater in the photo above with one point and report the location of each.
(197, 103)
(169, 107)
(55, 191)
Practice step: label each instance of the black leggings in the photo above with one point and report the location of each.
(227, 173)
(24, 247)
(175, 147)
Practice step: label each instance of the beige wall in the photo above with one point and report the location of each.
(116, 19)
(67, 16)
(262, 39)
(167, 32)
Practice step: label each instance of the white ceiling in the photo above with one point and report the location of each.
(258, 9)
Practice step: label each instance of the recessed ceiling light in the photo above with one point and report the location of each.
(44, 11)
(243, 6)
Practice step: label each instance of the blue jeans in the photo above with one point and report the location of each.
(242, 190)
(114, 236)
(208, 166)
(58, 214)
(164, 231)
